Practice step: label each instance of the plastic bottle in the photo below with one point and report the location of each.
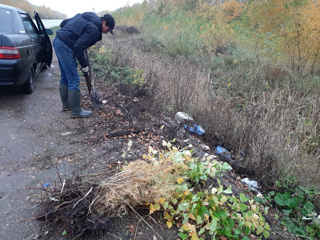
(182, 117)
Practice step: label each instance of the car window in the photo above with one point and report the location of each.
(28, 24)
(6, 20)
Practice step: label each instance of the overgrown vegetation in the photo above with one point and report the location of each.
(296, 205)
(188, 205)
(202, 214)
(249, 73)
(253, 82)
(167, 181)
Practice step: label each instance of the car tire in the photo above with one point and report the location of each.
(28, 86)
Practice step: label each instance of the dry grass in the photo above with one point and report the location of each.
(140, 183)
(259, 109)
(87, 202)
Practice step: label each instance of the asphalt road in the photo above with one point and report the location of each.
(34, 136)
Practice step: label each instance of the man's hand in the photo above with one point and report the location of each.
(85, 70)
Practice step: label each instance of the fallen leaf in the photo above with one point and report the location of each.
(180, 180)
(118, 112)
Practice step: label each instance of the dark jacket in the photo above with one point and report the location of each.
(80, 32)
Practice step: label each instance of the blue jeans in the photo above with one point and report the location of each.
(68, 65)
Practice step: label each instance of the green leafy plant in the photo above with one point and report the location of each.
(138, 77)
(295, 202)
(207, 214)
(103, 67)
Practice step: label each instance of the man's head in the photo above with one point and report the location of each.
(107, 23)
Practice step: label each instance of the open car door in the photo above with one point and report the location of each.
(46, 46)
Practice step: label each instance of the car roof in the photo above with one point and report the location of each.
(11, 8)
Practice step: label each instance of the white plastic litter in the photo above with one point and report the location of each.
(311, 216)
(66, 133)
(182, 117)
(253, 185)
(205, 147)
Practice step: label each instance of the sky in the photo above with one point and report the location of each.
(72, 7)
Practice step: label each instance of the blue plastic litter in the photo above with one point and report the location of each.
(221, 150)
(195, 128)
(46, 185)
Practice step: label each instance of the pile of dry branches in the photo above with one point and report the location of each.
(87, 202)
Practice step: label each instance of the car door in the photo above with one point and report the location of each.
(30, 45)
(46, 46)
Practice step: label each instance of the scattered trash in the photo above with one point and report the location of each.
(46, 185)
(311, 216)
(221, 150)
(66, 133)
(260, 195)
(195, 129)
(182, 117)
(253, 185)
(187, 120)
(205, 147)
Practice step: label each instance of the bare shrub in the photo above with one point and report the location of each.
(126, 30)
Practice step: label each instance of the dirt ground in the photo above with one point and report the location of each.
(38, 140)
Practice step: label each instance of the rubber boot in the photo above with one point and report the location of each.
(74, 102)
(64, 97)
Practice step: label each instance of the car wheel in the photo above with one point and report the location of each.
(28, 87)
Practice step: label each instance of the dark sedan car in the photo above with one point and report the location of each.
(25, 48)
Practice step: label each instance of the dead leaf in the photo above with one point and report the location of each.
(180, 180)
(118, 112)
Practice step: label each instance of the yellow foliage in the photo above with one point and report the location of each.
(300, 42)
(231, 9)
(290, 29)
(269, 15)
(206, 11)
(217, 34)
(194, 236)
(180, 180)
(152, 208)
(191, 216)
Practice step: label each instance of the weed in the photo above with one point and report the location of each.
(203, 215)
(296, 204)
(103, 67)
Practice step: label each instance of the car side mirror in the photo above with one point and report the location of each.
(49, 31)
